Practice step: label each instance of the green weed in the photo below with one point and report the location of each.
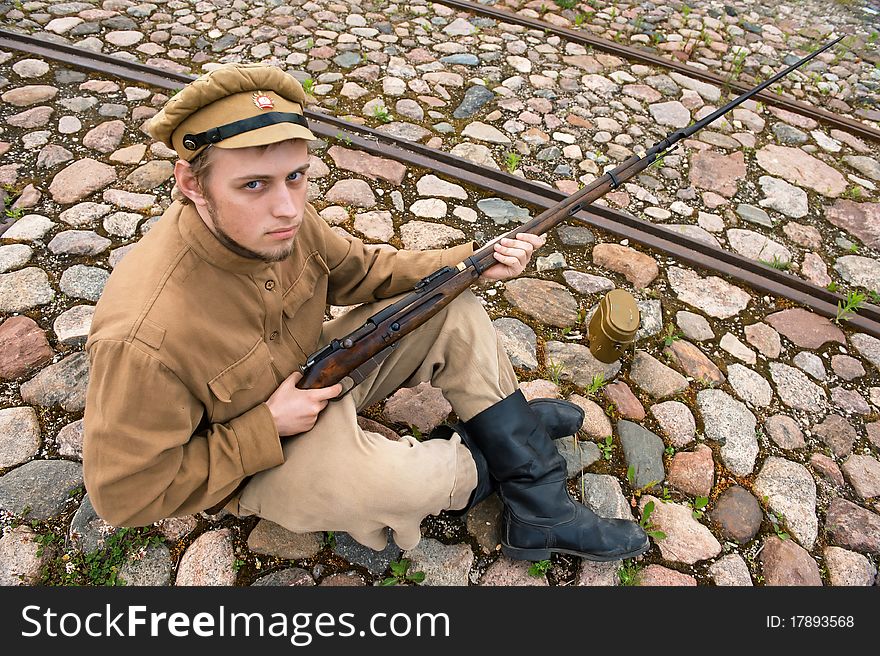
(698, 505)
(607, 447)
(539, 568)
(644, 522)
(854, 302)
(400, 573)
(511, 161)
(596, 384)
(628, 574)
(670, 335)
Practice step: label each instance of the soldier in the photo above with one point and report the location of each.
(197, 340)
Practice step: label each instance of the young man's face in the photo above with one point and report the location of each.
(253, 198)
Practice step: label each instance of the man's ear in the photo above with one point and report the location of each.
(187, 183)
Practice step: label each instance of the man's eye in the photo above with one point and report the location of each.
(296, 175)
(252, 184)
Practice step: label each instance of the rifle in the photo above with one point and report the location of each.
(357, 354)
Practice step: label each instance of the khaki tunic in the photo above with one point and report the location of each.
(189, 340)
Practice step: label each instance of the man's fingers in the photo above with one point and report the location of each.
(296, 376)
(327, 393)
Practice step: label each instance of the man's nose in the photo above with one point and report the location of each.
(284, 203)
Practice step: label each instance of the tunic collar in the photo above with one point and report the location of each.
(209, 248)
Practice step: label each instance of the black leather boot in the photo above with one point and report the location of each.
(560, 418)
(539, 516)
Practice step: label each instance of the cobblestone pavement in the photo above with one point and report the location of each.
(747, 423)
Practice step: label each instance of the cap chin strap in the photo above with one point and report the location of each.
(212, 136)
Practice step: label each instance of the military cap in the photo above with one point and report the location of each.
(233, 106)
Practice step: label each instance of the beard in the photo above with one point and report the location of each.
(224, 238)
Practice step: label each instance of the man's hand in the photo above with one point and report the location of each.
(513, 256)
(296, 410)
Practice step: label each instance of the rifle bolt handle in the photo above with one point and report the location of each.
(347, 343)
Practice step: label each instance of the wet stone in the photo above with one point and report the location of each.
(802, 169)
(848, 568)
(862, 220)
(539, 389)
(376, 562)
(507, 572)
(657, 576)
(547, 301)
(749, 385)
(837, 433)
(850, 401)
(20, 563)
(84, 214)
(803, 235)
(694, 362)
(598, 573)
(712, 295)
(654, 377)
(422, 406)
(19, 435)
(847, 367)
(81, 281)
(785, 432)
(367, 165)
(796, 390)
(596, 422)
(35, 117)
(686, 541)
(625, 402)
(351, 192)
(29, 95)
(810, 364)
(421, 235)
(578, 454)
(693, 472)
(827, 468)
(106, 137)
(148, 567)
(474, 99)
(51, 156)
(575, 235)
(853, 527)
(345, 579)
(476, 153)
(519, 341)
(88, 532)
(14, 256)
(484, 523)
(69, 440)
(78, 242)
(751, 214)
(791, 494)
(860, 271)
(643, 450)
(502, 211)
(587, 284)
(442, 564)
(867, 166)
(788, 135)
(738, 514)
(602, 495)
(24, 289)
(787, 563)
(717, 172)
(730, 570)
(31, 227)
(863, 473)
(737, 349)
(868, 347)
(41, 485)
(694, 326)
(129, 200)
(638, 268)
(80, 179)
(764, 338)
(286, 577)
(578, 364)
(376, 225)
(271, 539)
(676, 421)
(150, 175)
(23, 347)
(730, 423)
(208, 561)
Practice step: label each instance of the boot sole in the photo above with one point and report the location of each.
(535, 555)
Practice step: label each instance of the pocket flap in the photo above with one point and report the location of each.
(301, 290)
(242, 374)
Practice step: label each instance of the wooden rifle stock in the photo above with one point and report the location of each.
(361, 351)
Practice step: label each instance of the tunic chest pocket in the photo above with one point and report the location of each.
(304, 304)
(244, 384)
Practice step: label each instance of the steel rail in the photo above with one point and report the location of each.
(759, 277)
(637, 54)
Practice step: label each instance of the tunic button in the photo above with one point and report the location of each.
(273, 336)
(270, 285)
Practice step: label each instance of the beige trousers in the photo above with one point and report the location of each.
(338, 477)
